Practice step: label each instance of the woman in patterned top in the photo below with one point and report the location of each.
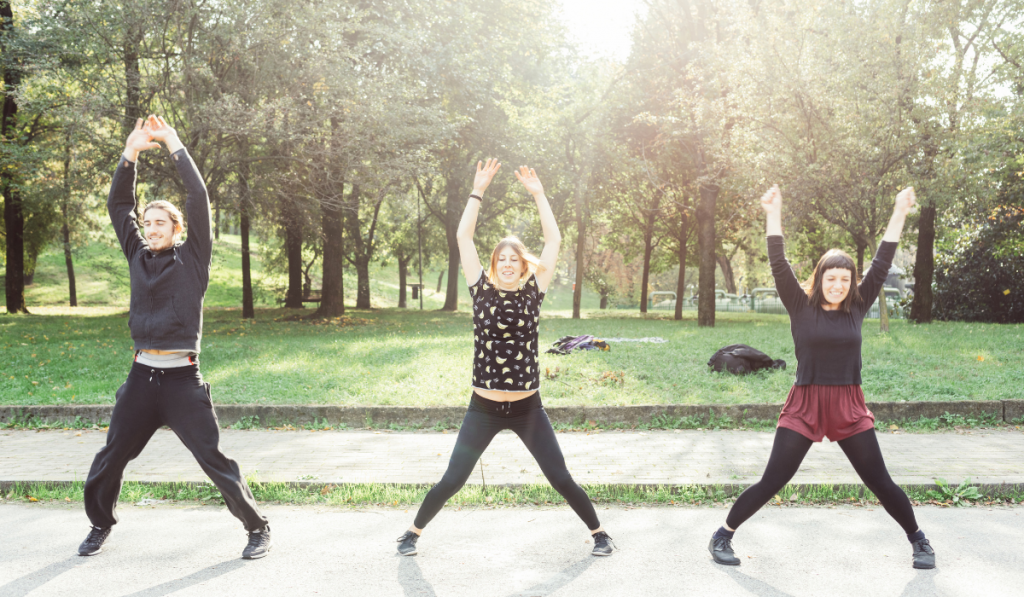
(506, 310)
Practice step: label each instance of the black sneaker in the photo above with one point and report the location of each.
(407, 544)
(603, 545)
(924, 555)
(259, 544)
(721, 551)
(93, 544)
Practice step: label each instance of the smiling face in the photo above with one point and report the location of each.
(160, 229)
(835, 285)
(509, 268)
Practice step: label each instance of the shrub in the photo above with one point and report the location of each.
(981, 277)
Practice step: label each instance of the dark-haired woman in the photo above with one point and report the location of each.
(506, 310)
(825, 317)
(164, 387)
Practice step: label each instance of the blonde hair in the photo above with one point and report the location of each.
(175, 213)
(533, 265)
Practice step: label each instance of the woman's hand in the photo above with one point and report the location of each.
(528, 177)
(905, 201)
(139, 140)
(771, 201)
(161, 131)
(484, 174)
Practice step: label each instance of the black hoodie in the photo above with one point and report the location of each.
(168, 287)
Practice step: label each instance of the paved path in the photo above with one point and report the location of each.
(669, 457)
(194, 552)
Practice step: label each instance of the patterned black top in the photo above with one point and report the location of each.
(505, 336)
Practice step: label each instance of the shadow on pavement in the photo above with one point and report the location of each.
(753, 585)
(33, 580)
(411, 578)
(922, 584)
(559, 579)
(195, 578)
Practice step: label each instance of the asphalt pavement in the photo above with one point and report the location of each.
(504, 552)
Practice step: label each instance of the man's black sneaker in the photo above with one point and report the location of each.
(93, 544)
(407, 544)
(721, 551)
(259, 544)
(603, 545)
(924, 555)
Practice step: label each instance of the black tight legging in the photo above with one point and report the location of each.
(483, 421)
(788, 452)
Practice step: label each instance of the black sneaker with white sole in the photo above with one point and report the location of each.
(924, 555)
(407, 544)
(93, 543)
(259, 544)
(721, 551)
(603, 544)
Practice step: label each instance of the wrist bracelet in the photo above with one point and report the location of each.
(477, 197)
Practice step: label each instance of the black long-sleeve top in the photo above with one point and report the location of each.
(827, 343)
(167, 288)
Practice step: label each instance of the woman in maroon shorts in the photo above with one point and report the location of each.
(825, 317)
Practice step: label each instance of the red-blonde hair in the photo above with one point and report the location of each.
(533, 265)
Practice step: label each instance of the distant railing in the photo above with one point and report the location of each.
(762, 300)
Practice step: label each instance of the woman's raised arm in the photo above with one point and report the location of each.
(467, 225)
(548, 225)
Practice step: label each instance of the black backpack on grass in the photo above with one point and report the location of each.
(741, 359)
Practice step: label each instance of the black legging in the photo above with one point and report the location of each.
(788, 452)
(527, 418)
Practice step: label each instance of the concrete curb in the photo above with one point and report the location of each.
(410, 416)
(731, 489)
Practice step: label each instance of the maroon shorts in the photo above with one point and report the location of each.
(819, 411)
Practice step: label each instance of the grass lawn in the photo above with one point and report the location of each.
(408, 357)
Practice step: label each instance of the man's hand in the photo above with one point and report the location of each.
(161, 131)
(139, 140)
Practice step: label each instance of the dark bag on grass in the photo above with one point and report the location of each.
(567, 344)
(741, 359)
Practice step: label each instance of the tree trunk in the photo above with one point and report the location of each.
(645, 277)
(924, 267)
(883, 312)
(66, 229)
(133, 84)
(706, 253)
(453, 211)
(861, 247)
(248, 310)
(244, 203)
(293, 249)
(216, 215)
(361, 253)
(403, 275)
(684, 224)
(14, 218)
(727, 273)
(604, 301)
(72, 293)
(581, 239)
(332, 296)
(440, 279)
(332, 224)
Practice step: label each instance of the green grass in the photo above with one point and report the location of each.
(404, 357)
(390, 356)
(403, 496)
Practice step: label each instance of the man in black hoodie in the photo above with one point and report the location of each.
(169, 279)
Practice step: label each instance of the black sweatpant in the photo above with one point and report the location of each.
(149, 399)
(788, 452)
(484, 419)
